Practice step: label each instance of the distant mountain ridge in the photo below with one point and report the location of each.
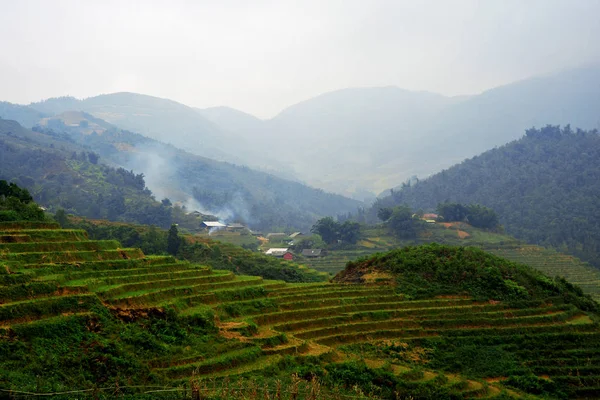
(544, 188)
(232, 193)
(361, 140)
(376, 138)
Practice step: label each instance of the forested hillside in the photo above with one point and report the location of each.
(61, 174)
(544, 187)
(226, 190)
(356, 141)
(161, 119)
(374, 138)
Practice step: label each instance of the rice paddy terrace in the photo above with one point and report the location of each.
(548, 261)
(56, 284)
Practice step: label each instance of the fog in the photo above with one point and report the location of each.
(262, 56)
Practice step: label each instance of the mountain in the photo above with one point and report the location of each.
(60, 173)
(357, 141)
(24, 115)
(156, 118)
(252, 131)
(544, 187)
(232, 120)
(228, 191)
(370, 139)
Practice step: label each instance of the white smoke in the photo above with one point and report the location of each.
(159, 163)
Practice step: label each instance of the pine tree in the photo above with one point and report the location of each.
(173, 240)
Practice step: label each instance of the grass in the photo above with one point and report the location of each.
(155, 318)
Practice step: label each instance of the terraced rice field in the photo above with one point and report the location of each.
(41, 285)
(335, 261)
(553, 263)
(548, 261)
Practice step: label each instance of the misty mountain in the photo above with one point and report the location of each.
(160, 119)
(252, 132)
(358, 141)
(228, 191)
(60, 173)
(232, 120)
(24, 115)
(375, 138)
(544, 187)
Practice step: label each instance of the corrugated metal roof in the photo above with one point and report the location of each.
(311, 252)
(214, 224)
(277, 251)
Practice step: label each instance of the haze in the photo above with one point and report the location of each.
(262, 56)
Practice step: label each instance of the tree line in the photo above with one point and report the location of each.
(544, 188)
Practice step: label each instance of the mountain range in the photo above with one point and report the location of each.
(359, 141)
(544, 187)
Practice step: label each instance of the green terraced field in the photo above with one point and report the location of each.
(553, 263)
(43, 290)
(548, 261)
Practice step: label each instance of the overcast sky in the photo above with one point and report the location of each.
(261, 56)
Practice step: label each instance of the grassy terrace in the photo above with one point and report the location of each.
(552, 263)
(45, 292)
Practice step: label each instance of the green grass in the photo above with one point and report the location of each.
(167, 320)
(50, 235)
(36, 247)
(70, 256)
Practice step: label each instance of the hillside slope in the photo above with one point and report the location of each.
(75, 313)
(24, 115)
(161, 119)
(62, 174)
(228, 191)
(377, 239)
(359, 141)
(375, 138)
(544, 187)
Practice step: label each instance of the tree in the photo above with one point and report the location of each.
(61, 218)
(402, 224)
(309, 242)
(482, 217)
(327, 228)
(452, 211)
(384, 213)
(93, 157)
(349, 232)
(173, 240)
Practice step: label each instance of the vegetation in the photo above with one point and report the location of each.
(543, 187)
(333, 232)
(75, 183)
(197, 249)
(126, 324)
(475, 214)
(259, 199)
(433, 270)
(16, 204)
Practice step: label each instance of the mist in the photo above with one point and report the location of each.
(262, 56)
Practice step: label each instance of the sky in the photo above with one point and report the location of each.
(262, 56)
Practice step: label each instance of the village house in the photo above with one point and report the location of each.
(212, 224)
(312, 253)
(296, 234)
(280, 252)
(235, 227)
